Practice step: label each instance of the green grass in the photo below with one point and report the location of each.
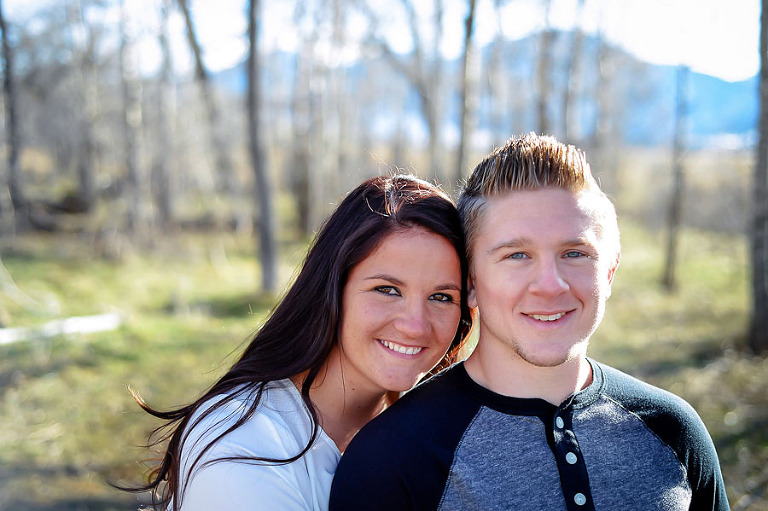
(67, 422)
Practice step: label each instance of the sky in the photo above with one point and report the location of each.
(715, 37)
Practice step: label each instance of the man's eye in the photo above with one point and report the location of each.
(517, 255)
(441, 297)
(574, 254)
(388, 290)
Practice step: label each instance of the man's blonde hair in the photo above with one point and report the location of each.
(534, 162)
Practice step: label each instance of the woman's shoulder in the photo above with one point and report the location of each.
(235, 454)
(275, 427)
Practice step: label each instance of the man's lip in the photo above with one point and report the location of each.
(546, 317)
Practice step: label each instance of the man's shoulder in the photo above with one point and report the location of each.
(401, 459)
(676, 423)
(640, 396)
(668, 415)
(441, 397)
(430, 418)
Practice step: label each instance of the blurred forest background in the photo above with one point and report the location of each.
(154, 206)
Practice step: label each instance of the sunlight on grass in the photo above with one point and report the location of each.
(69, 423)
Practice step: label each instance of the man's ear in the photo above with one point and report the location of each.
(612, 271)
(471, 297)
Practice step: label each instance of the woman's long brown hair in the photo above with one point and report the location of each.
(303, 328)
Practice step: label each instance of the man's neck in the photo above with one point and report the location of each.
(509, 375)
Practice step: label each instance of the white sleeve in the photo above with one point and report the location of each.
(276, 432)
(237, 486)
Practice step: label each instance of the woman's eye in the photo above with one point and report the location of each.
(388, 290)
(573, 254)
(441, 297)
(517, 255)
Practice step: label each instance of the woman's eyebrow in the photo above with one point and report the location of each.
(388, 278)
(398, 282)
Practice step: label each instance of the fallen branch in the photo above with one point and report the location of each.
(73, 325)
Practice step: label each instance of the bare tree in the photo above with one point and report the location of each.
(603, 159)
(497, 80)
(303, 114)
(17, 209)
(83, 34)
(758, 334)
(225, 169)
(131, 95)
(544, 71)
(265, 219)
(161, 173)
(573, 74)
(424, 70)
(306, 119)
(669, 280)
(467, 92)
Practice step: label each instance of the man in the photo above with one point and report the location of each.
(528, 421)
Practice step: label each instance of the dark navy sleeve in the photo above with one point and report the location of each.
(381, 469)
(677, 424)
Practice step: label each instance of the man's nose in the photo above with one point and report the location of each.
(548, 278)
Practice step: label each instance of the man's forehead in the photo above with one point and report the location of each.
(525, 216)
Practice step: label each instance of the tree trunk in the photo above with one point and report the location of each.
(602, 142)
(301, 125)
(13, 204)
(432, 91)
(424, 72)
(544, 71)
(543, 81)
(467, 94)
(570, 121)
(758, 334)
(161, 174)
(669, 280)
(89, 100)
(131, 92)
(225, 175)
(498, 83)
(263, 188)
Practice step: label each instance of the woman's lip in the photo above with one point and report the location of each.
(399, 348)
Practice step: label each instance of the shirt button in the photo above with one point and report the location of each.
(559, 422)
(571, 458)
(580, 499)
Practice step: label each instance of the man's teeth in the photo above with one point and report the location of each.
(400, 349)
(548, 317)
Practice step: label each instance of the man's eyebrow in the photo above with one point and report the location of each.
(580, 241)
(513, 243)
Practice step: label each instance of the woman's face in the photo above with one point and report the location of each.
(400, 311)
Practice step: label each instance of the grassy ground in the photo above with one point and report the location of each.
(67, 422)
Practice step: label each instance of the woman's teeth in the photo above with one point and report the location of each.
(400, 349)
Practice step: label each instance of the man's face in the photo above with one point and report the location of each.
(540, 275)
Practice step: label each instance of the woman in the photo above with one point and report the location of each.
(380, 301)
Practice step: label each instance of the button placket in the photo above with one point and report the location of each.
(573, 471)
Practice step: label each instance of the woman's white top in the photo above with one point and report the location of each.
(279, 429)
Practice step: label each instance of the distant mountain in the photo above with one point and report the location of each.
(719, 112)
